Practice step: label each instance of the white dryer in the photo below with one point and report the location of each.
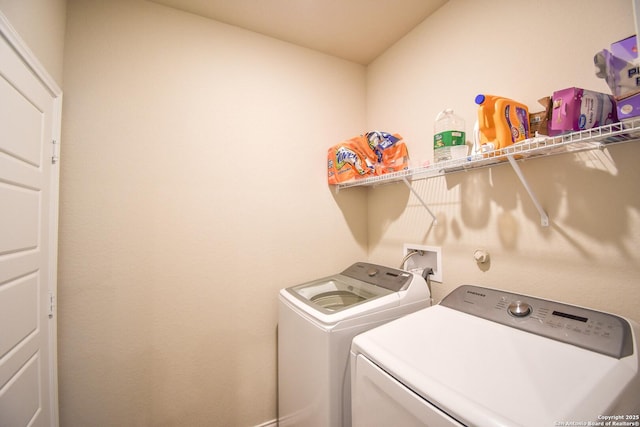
(488, 358)
(316, 323)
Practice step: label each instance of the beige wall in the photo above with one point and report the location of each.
(193, 189)
(190, 193)
(590, 255)
(41, 25)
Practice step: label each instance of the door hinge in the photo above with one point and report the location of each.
(54, 152)
(52, 304)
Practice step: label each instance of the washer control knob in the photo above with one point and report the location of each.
(372, 272)
(519, 309)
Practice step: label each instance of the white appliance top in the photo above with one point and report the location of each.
(360, 289)
(493, 358)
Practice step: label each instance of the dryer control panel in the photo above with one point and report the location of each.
(592, 330)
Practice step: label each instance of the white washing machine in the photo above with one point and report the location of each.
(316, 323)
(484, 357)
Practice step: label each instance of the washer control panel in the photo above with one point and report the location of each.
(385, 277)
(592, 330)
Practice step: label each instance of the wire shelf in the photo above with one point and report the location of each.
(590, 139)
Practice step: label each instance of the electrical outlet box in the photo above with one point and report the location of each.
(427, 256)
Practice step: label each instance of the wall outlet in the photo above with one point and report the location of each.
(428, 256)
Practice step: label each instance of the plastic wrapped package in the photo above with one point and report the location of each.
(374, 153)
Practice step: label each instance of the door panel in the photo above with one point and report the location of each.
(18, 404)
(20, 136)
(29, 121)
(19, 218)
(19, 308)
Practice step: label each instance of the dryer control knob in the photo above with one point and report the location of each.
(519, 309)
(372, 272)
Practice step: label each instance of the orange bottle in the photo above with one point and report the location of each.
(486, 111)
(502, 121)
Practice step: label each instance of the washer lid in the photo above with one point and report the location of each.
(359, 283)
(484, 373)
(336, 293)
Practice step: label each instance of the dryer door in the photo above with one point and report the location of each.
(379, 400)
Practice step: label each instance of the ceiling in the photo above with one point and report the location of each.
(356, 30)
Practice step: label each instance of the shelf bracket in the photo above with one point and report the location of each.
(544, 218)
(415, 193)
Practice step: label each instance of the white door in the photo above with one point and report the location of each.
(29, 122)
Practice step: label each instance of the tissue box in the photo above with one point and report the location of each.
(577, 109)
(628, 107)
(626, 49)
(619, 68)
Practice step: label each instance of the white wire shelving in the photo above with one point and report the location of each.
(543, 146)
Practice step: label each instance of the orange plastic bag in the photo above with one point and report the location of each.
(374, 153)
(391, 152)
(350, 159)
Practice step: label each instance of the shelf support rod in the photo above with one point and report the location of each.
(415, 193)
(544, 218)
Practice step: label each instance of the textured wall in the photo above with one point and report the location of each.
(590, 254)
(41, 24)
(193, 189)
